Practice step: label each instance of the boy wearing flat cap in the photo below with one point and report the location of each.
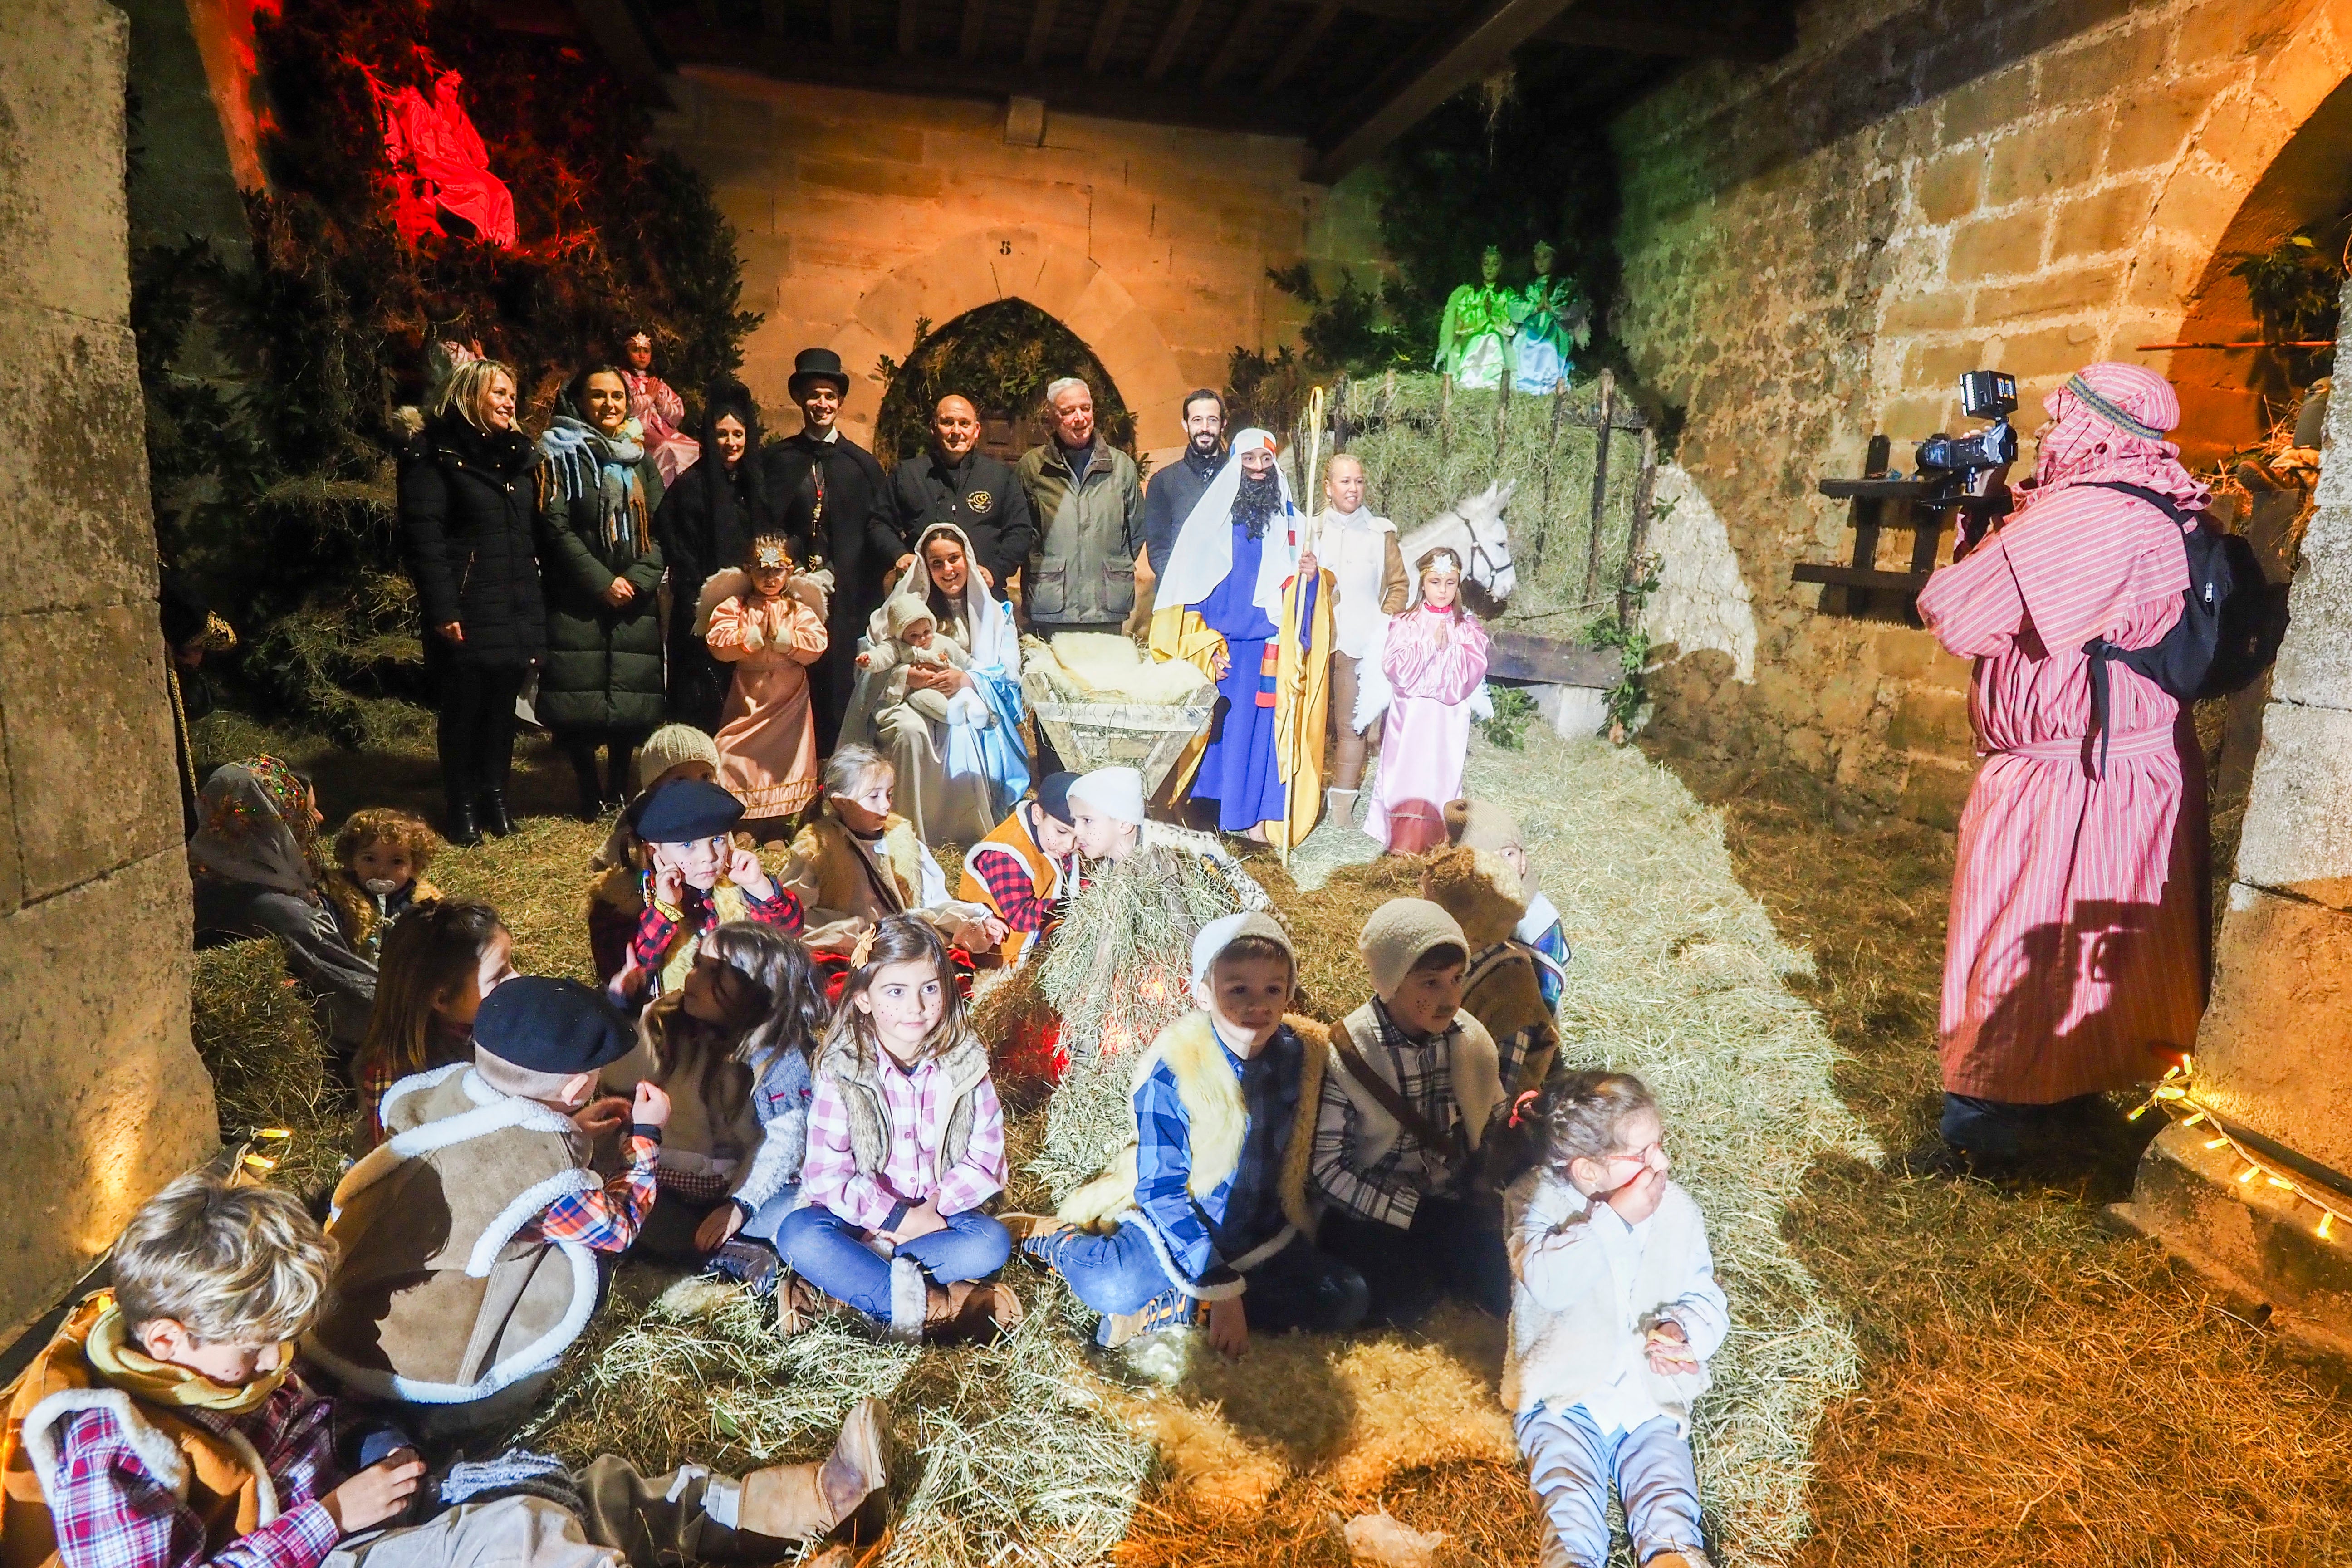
(469, 1236)
(1411, 1085)
(1203, 1218)
(697, 878)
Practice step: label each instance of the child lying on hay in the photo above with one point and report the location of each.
(1202, 1213)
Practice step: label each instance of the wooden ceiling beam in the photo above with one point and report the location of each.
(1231, 47)
(1737, 32)
(1294, 53)
(1041, 28)
(1475, 40)
(975, 22)
(988, 80)
(1106, 38)
(1172, 38)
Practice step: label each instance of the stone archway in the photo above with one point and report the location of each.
(993, 264)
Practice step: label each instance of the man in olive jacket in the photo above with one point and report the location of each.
(1089, 506)
(955, 482)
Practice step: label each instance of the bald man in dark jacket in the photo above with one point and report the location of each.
(954, 482)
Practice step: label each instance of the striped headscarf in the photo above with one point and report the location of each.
(2108, 422)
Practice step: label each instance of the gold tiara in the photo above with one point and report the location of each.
(774, 557)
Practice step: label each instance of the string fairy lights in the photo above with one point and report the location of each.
(2175, 1095)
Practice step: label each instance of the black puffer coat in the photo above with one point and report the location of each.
(467, 500)
(603, 668)
(706, 523)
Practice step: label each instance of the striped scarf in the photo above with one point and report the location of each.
(583, 461)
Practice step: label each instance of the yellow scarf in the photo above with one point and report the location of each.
(121, 1365)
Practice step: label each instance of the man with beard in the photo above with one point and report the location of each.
(956, 482)
(1175, 489)
(827, 494)
(1222, 605)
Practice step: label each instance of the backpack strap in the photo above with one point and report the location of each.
(1390, 1100)
(2102, 652)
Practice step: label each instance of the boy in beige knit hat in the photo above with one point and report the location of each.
(1410, 1088)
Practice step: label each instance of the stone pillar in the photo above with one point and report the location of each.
(2273, 1059)
(102, 1096)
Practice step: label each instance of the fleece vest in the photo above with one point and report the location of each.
(439, 1301)
(1558, 1355)
(836, 877)
(1217, 1123)
(1476, 1077)
(1502, 990)
(868, 1108)
(221, 1478)
(1013, 834)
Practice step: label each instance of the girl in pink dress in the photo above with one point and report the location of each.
(1435, 658)
(770, 627)
(657, 410)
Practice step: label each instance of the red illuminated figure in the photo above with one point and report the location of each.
(441, 167)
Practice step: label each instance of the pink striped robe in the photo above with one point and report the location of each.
(2076, 959)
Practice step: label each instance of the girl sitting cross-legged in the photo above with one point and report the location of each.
(906, 1141)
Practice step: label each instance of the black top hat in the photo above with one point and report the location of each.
(818, 365)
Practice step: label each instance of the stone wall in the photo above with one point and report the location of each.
(103, 1098)
(858, 212)
(1814, 249)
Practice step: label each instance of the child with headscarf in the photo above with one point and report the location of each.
(253, 863)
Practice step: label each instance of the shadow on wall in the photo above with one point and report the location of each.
(1702, 604)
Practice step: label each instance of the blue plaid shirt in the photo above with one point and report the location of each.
(1244, 1211)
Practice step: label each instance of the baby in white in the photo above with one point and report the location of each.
(1614, 1310)
(915, 642)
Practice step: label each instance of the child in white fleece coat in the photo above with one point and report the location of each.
(1614, 1310)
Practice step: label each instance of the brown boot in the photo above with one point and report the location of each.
(989, 1313)
(799, 1503)
(797, 1304)
(1026, 1226)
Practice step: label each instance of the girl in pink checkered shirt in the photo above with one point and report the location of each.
(906, 1141)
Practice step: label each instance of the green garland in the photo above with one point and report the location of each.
(1001, 356)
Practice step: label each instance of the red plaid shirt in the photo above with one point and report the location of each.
(112, 1511)
(607, 1218)
(655, 928)
(1008, 882)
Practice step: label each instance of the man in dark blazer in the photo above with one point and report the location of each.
(956, 482)
(826, 494)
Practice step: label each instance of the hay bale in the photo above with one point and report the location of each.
(255, 1033)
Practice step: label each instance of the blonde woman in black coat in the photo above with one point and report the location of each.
(468, 502)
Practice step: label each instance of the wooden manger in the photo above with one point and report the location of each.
(1113, 732)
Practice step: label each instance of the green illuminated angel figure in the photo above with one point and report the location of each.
(1474, 337)
(1553, 322)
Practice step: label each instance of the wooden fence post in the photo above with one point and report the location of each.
(1637, 537)
(1600, 482)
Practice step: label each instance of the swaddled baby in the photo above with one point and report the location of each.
(916, 641)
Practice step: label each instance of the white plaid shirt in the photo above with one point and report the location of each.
(1388, 1190)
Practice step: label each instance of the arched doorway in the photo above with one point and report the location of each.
(1002, 355)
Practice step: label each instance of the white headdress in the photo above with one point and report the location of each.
(1203, 551)
(993, 645)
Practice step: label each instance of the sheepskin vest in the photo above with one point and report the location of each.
(1217, 1123)
(1501, 989)
(836, 878)
(1475, 1073)
(1013, 834)
(1560, 1353)
(221, 1479)
(438, 1300)
(868, 1108)
(727, 902)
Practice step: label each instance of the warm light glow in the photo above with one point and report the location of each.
(2325, 1221)
(2250, 1175)
(2192, 1120)
(2215, 1142)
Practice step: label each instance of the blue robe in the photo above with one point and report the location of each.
(1238, 771)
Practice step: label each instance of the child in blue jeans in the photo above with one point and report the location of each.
(906, 1141)
(1206, 1205)
(1614, 1310)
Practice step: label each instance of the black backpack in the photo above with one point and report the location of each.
(2230, 627)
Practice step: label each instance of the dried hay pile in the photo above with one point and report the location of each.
(256, 1035)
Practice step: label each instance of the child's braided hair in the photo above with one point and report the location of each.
(1574, 1116)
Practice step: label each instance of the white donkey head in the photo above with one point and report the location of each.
(1473, 529)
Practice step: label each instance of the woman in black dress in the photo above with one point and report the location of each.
(705, 522)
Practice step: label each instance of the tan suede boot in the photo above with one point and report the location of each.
(797, 1304)
(1025, 1227)
(798, 1502)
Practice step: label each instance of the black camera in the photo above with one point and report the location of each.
(1984, 394)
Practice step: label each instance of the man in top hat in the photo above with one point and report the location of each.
(829, 495)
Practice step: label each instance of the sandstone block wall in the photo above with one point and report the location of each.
(103, 1098)
(858, 212)
(1815, 249)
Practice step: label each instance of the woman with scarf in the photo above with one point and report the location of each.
(253, 864)
(597, 496)
(956, 781)
(1219, 605)
(2077, 955)
(705, 526)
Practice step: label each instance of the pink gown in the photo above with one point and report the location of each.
(1428, 733)
(658, 409)
(767, 733)
(2077, 956)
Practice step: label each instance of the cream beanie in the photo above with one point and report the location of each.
(1114, 792)
(1483, 824)
(1226, 930)
(904, 612)
(670, 746)
(1396, 936)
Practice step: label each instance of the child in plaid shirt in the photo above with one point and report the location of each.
(906, 1141)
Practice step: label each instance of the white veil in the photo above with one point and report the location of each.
(1203, 551)
(992, 642)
